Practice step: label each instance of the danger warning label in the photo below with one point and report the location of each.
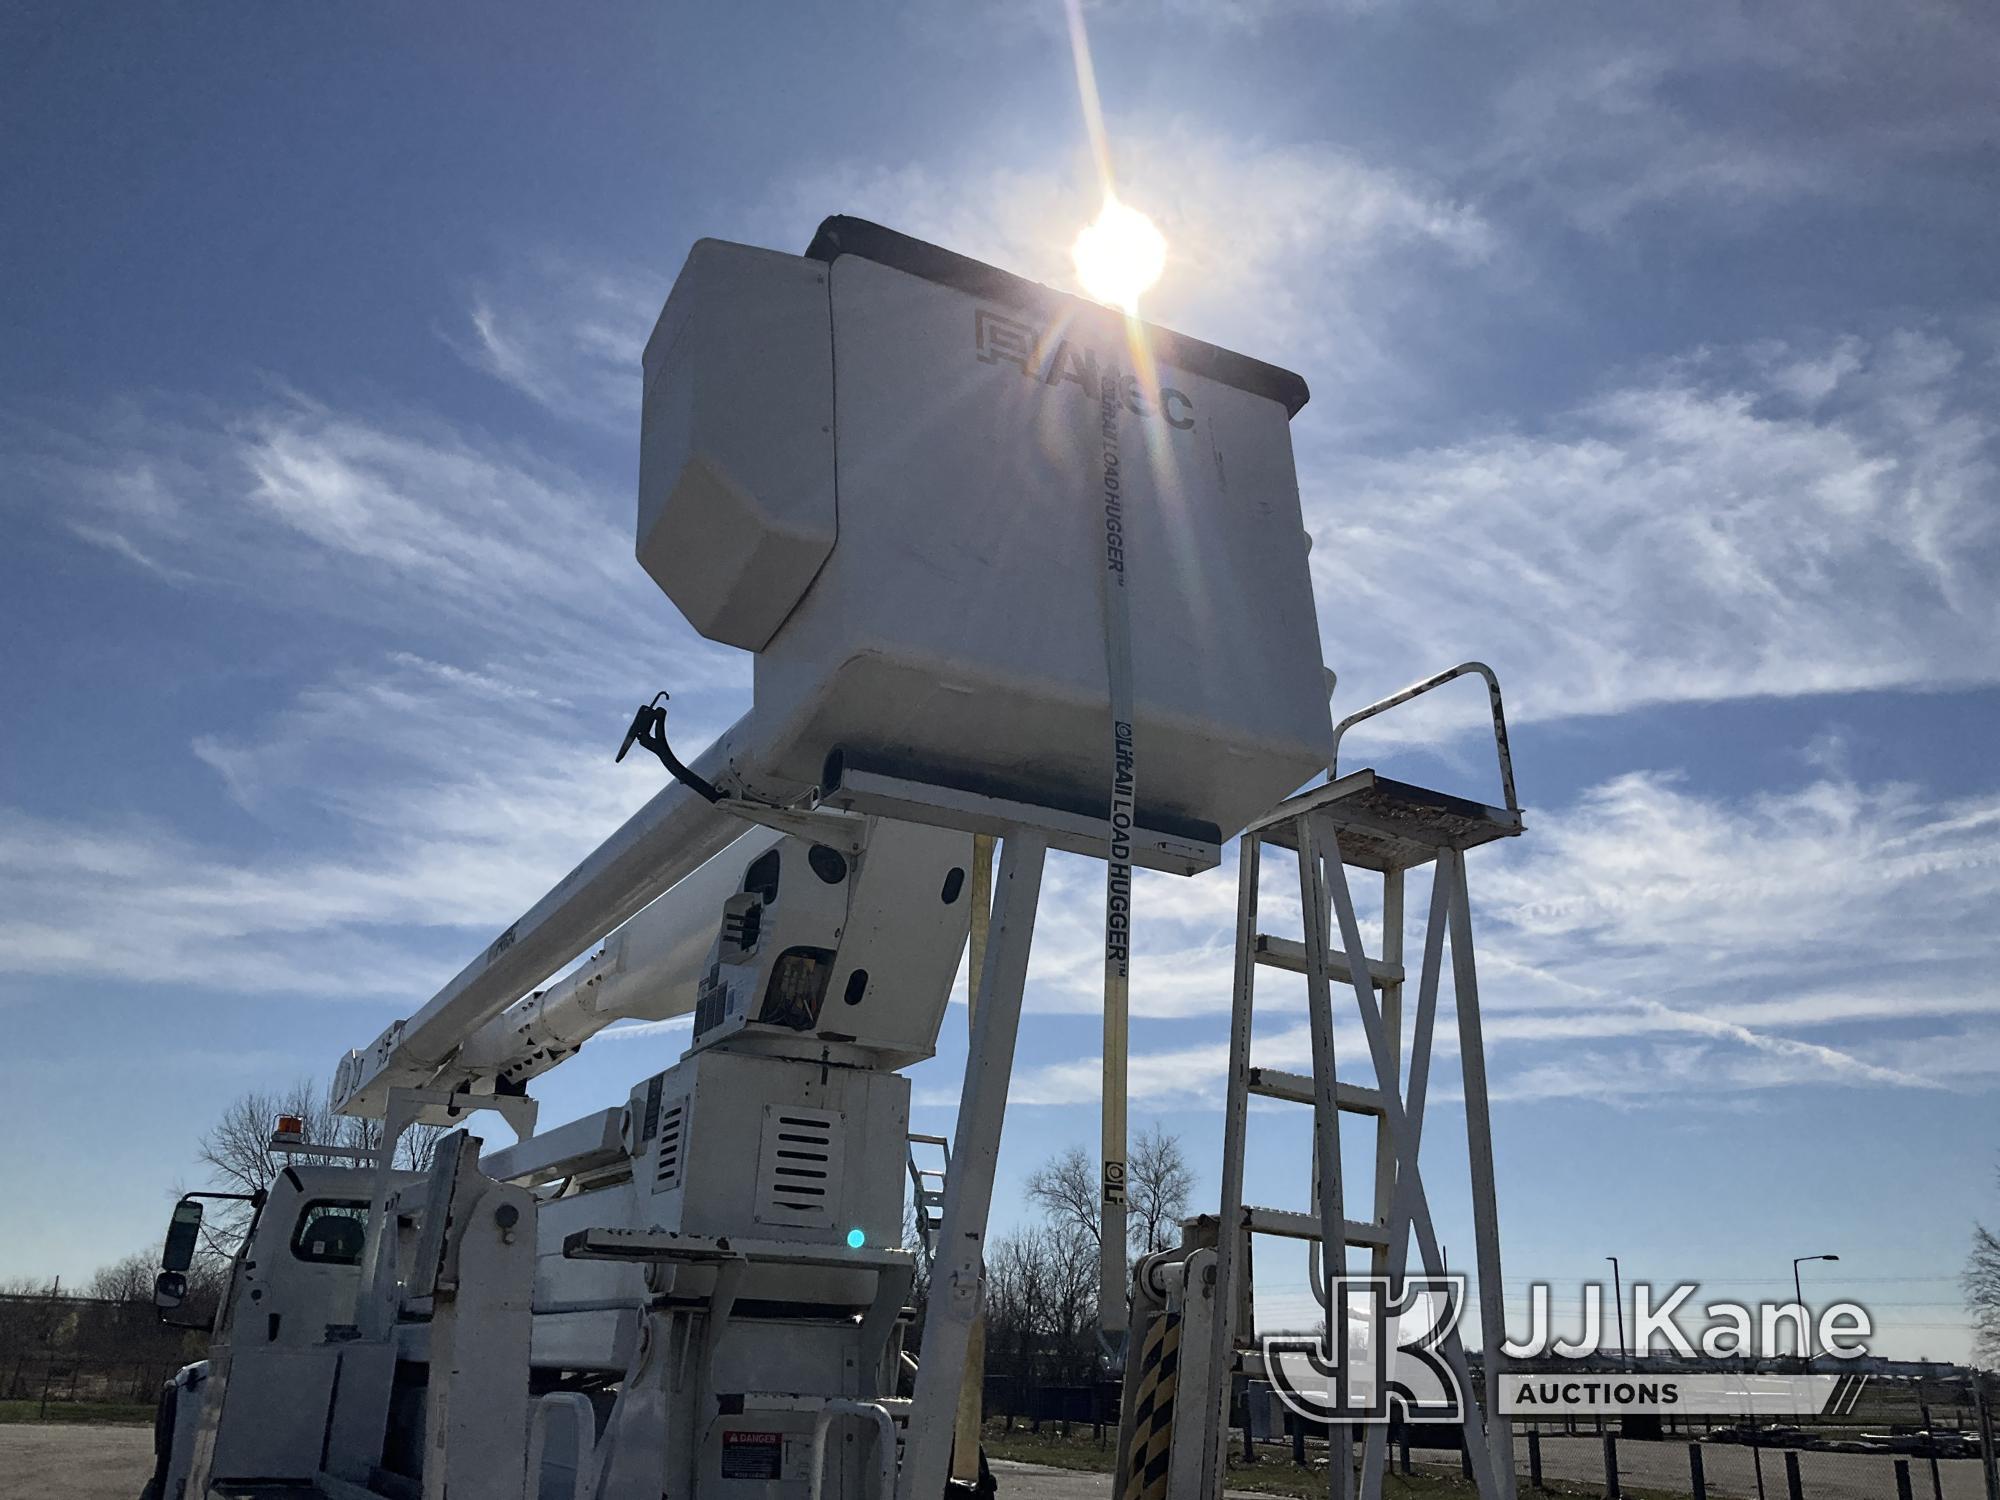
(750, 1454)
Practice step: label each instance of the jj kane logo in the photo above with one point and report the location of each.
(1002, 340)
(1404, 1357)
(1369, 1376)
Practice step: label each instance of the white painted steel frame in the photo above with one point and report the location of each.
(1396, 1259)
(1400, 1202)
(958, 1271)
(1313, 899)
(1493, 1461)
(885, 1443)
(1210, 1423)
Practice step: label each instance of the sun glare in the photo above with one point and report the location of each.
(1119, 257)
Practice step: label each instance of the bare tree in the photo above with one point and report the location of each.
(1065, 1189)
(1982, 1291)
(129, 1279)
(1069, 1316)
(1041, 1306)
(237, 1148)
(1158, 1182)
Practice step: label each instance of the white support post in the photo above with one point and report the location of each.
(972, 1391)
(477, 1404)
(1313, 898)
(1479, 1147)
(374, 1287)
(1392, 1023)
(1200, 1309)
(957, 1291)
(372, 1313)
(1213, 1415)
(1375, 1459)
(1478, 1449)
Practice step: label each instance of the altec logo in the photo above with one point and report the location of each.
(1403, 1357)
(1001, 340)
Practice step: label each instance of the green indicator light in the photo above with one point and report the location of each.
(856, 1239)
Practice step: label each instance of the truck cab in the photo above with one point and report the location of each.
(256, 1411)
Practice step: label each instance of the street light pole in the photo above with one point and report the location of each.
(1618, 1304)
(1799, 1301)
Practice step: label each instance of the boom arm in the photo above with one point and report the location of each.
(648, 970)
(667, 839)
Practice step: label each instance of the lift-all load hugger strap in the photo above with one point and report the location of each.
(1121, 811)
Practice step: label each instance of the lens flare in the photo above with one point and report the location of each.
(1119, 257)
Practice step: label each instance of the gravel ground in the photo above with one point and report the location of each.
(71, 1462)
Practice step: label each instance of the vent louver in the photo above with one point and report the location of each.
(799, 1166)
(667, 1160)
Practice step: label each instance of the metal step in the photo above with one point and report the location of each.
(1284, 953)
(1283, 1223)
(1389, 825)
(1297, 1088)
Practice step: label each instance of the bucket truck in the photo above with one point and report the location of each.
(905, 481)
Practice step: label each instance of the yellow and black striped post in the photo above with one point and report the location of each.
(1153, 1410)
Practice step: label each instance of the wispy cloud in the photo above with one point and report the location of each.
(430, 535)
(454, 803)
(479, 635)
(565, 332)
(1864, 894)
(1742, 113)
(1645, 944)
(1762, 521)
(1776, 518)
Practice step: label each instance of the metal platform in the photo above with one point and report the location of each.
(1390, 825)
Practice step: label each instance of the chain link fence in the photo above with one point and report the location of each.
(66, 1356)
(1895, 1439)
(1891, 1439)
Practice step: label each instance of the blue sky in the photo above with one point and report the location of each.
(1653, 351)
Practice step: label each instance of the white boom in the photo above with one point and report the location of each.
(664, 841)
(647, 970)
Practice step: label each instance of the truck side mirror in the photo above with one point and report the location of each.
(169, 1290)
(183, 1232)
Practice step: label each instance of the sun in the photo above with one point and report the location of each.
(1120, 256)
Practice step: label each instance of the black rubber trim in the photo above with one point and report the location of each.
(842, 235)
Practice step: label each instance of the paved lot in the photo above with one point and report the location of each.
(1730, 1470)
(71, 1462)
(1033, 1482)
(111, 1463)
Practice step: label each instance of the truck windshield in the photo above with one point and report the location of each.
(331, 1232)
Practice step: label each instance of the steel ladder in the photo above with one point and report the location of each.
(1365, 821)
